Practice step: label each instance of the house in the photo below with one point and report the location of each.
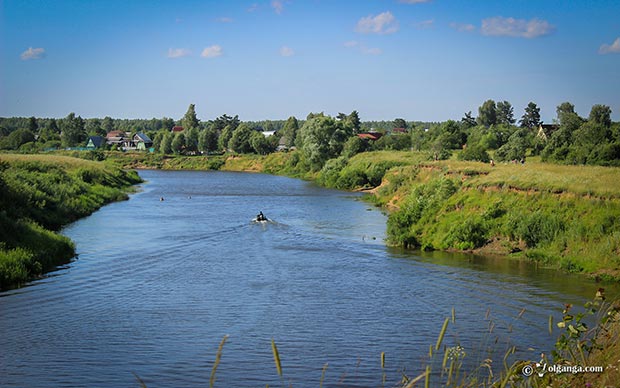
(399, 130)
(545, 130)
(268, 133)
(95, 142)
(142, 141)
(177, 128)
(374, 136)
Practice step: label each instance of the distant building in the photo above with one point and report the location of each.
(546, 130)
(399, 130)
(268, 133)
(95, 142)
(372, 136)
(142, 142)
(177, 128)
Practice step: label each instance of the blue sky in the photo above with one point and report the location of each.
(423, 60)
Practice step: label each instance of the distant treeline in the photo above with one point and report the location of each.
(494, 133)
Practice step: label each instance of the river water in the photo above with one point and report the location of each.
(158, 284)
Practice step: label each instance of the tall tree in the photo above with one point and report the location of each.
(33, 126)
(531, 117)
(179, 143)
(166, 143)
(600, 114)
(190, 120)
(468, 121)
(207, 141)
(487, 113)
(400, 123)
(354, 120)
(240, 139)
(289, 132)
(167, 123)
(564, 109)
(224, 137)
(505, 113)
(108, 124)
(73, 132)
(322, 138)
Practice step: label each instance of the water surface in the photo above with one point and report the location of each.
(158, 284)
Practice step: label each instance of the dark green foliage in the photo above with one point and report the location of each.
(516, 146)
(474, 153)
(190, 121)
(240, 139)
(16, 139)
(354, 146)
(487, 113)
(531, 117)
(505, 113)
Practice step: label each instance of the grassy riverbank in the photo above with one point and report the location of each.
(565, 217)
(38, 195)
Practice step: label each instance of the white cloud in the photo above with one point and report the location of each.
(609, 49)
(178, 53)
(500, 26)
(253, 7)
(277, 6)
(33, 53)
(383, 23)
(424, 24)
(362, 48)
(462, 27)
(414, 1)
(225, 20)
(286, 51)
(371, 50)
(212, 51)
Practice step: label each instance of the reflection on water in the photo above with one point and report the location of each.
(158, 284)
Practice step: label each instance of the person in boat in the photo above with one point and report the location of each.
(261, 217)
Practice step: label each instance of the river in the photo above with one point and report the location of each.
(158, 283)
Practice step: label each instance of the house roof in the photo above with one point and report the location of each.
(370, 136)
(97, 141)
(142, 137)
(399, 130)
(115, 134)
(177, 128)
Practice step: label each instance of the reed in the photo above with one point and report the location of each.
(218, 357)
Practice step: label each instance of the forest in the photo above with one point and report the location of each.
(494, 134)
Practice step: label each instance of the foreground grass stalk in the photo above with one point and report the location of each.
(218, 357)
(276, 357)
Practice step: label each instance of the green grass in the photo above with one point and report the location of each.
(40, 194)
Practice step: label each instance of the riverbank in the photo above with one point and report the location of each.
(564, 217)
(38, 195)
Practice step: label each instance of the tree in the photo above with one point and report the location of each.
(487, 113)
(354, 145)
(240, 140)
(505, 113)
(191, 140)
(94, 127)
(73, 132)
(225, 137)
(108, 124)
(16, 139)
(600, 114)
(167, 123)
(260, 144)
(354, 121)
(189, 120)
(289, 132)
(166, 143)
(400, 123)
(178, 143)
(207, 141)
(468, 121)
(474, 152)
(516, 146)
(32, 125)
(563, 110)
(531, 117)
(322, 138)
(220, 123)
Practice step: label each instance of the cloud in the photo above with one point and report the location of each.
(414, 1)
(383, 23)
(225, 20)
(286, 51)
(362, 48)
(521, 28)
(212, 51)
(462, 27)
(613, 48)
(33, 53)
(424, 24)
(253, 7)
(178, 53)
(277, 6)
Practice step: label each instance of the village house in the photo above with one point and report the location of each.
(142, 142)
(95, 142)
(177, 129)
(372, 136)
